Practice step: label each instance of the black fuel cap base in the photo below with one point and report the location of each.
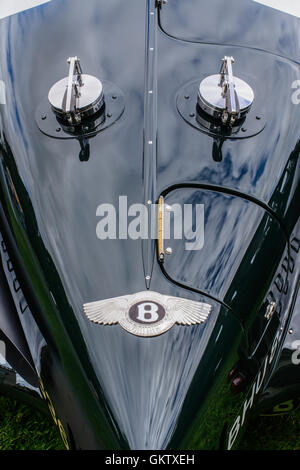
(77, 96)
(247, 126)
(54, 125)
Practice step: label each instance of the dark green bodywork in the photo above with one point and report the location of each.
(108, 389)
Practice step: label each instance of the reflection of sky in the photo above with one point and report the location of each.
(252, 165)
(10, 7)
(145, 380)
(148, 383)
(229, 227)
(30, 77)
(240, 22)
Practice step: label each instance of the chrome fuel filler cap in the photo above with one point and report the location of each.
(225, 97)
(77, 96)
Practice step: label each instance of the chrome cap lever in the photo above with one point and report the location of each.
(229, 93)
(73, 92)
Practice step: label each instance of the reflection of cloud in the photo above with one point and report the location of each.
(33, 57)
(146, 385)
(252, 166)
(245, 22)
(2, 92)
(146, 382)
(230, 225)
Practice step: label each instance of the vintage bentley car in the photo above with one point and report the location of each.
(117, 115)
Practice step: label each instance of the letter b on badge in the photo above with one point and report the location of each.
(147, 312)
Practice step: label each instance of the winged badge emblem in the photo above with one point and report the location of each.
(147, 313)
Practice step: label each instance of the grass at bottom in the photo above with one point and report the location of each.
(23, 428)
(273, 433)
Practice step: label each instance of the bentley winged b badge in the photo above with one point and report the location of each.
(147, 313)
